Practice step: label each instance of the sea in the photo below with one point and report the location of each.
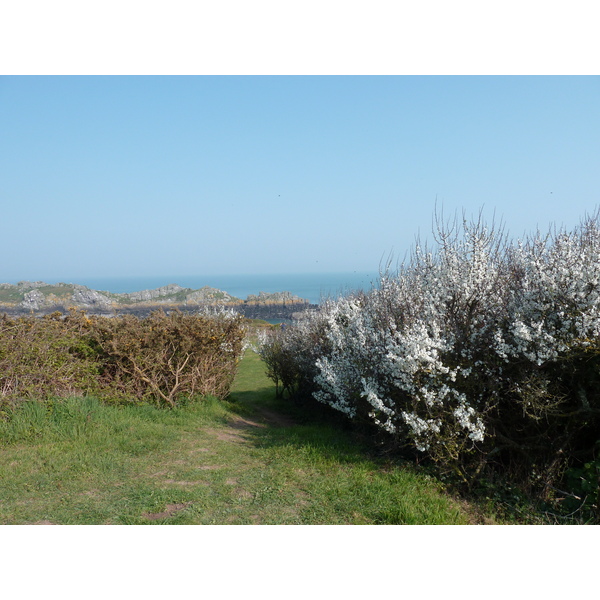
(314, 287)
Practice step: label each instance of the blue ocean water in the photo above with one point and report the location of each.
(313, 287)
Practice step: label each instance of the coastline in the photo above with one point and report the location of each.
(39, 298)
(308, 286)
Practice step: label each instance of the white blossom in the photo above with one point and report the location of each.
(417, 353)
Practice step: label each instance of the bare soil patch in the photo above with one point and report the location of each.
(225, 436)
(192, 483)
(240, 423)
(169, 511)
(276, 419)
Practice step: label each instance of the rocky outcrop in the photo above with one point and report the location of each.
(33, 300)
(25, 285)
(210, 295)
(47, 296)
(274, 298)
(86, 298)
(41, 298)
(149, 295)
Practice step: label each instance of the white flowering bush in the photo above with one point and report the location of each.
(480, 351)
(413, 355)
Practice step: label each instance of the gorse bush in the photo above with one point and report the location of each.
(482, 354)
(44, 357)
(159, 359)
(162, 357)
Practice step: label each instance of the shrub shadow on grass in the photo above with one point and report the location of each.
(291, 425)
(337, 475)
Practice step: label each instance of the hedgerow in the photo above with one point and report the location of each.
(159, 359)
(45, 357)
(483, 355)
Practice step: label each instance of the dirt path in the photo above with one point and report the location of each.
(273, 418)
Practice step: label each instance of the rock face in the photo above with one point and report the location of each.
(33, 300)
(84, 297)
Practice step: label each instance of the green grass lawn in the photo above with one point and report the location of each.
(240, 461)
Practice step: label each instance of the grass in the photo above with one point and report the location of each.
(240, 461)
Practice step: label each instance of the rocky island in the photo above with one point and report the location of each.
(39, 297)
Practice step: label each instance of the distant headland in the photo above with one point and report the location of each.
(39, 297)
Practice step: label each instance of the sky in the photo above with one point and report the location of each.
(109, 176)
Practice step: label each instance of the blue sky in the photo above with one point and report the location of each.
(123, 176)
